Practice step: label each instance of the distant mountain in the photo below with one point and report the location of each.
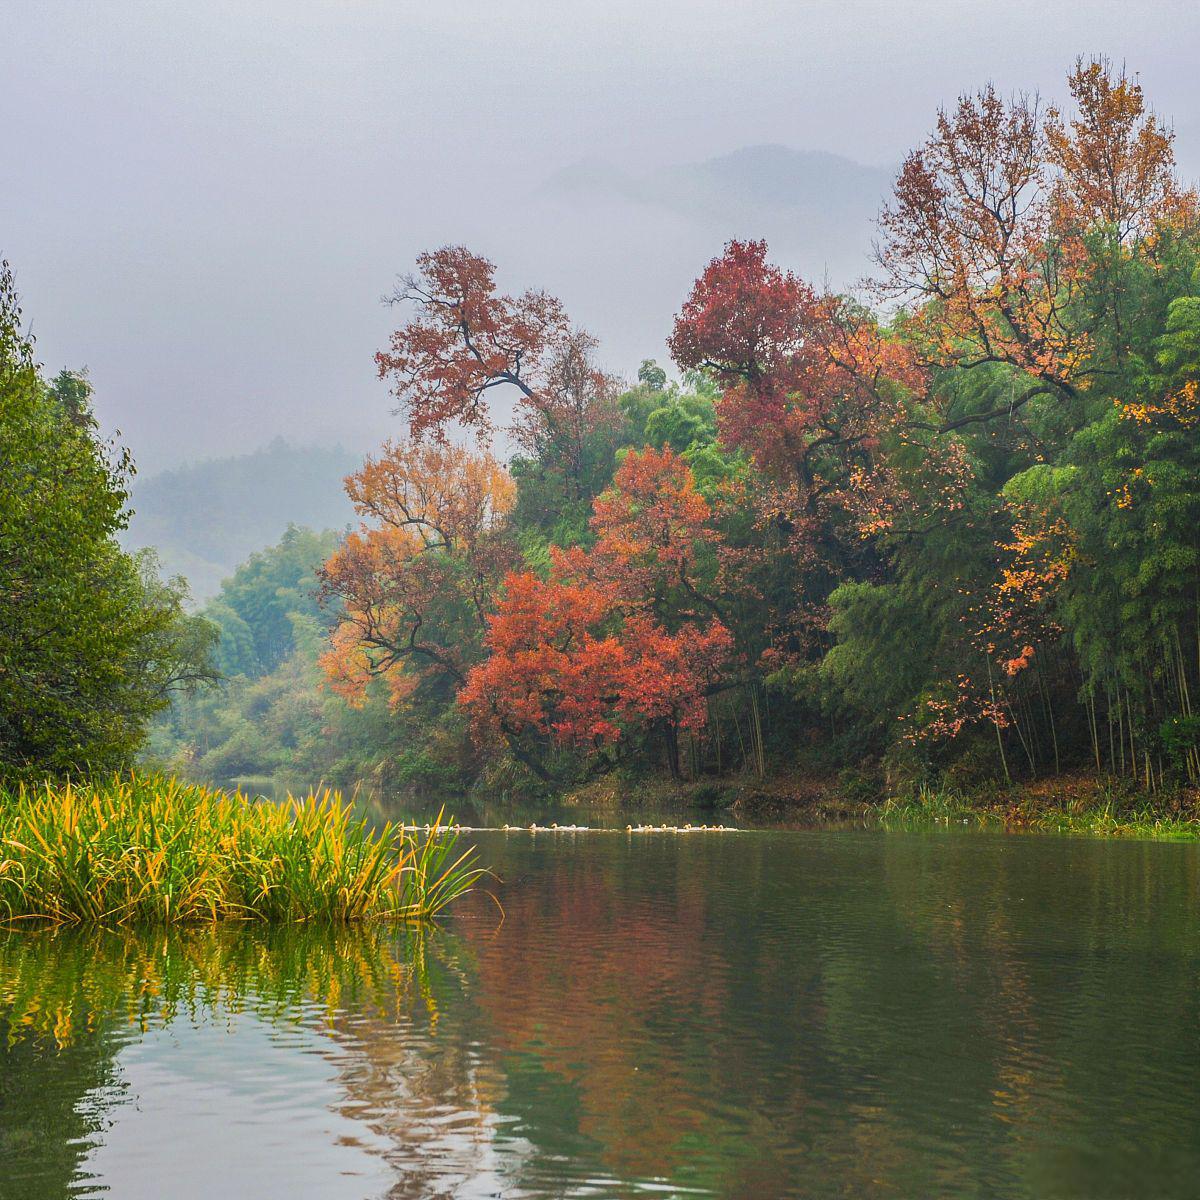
(206, 517)
(766, 177)
(817, 209)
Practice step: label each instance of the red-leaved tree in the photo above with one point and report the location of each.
(621, 640)
(808, 379)
(465, 340)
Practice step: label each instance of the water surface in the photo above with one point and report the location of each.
(762, 1014)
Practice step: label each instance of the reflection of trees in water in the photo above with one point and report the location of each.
(47, 1125)
(414, 1070)
(1062, 974)
(585, 987)
(70, 999)
(431, 1096)
(612, 1002)
(871, 1015)
(887, 1015)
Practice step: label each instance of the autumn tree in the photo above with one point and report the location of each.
(810, 386)
(967, 239)
(991, 234)
(465, 341)
(466, 344)
(1114, 160)
(654, 543)
(417, 579)
(1041, 255)
(750, 323)
(1116, 198)
(617, 641)
(808, 379)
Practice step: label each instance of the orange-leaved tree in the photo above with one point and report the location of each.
(1009, 215)
(1115, 161)
(417, 579)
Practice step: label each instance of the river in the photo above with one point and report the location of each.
(769, 1013)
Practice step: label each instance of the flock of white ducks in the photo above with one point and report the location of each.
(554, 827)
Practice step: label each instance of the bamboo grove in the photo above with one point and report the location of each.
(944, 526)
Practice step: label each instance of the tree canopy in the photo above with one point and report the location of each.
(92, 642)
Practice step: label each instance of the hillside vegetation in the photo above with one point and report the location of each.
(204, 518)
(937, 537)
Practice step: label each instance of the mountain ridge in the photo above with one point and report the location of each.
(203, 518)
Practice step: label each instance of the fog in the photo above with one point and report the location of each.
(204, 203)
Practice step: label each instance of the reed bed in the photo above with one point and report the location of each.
(153, 850)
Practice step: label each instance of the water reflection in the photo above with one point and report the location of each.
(231, 1058)
(786, 1014)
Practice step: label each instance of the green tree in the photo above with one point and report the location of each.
(264, 596)
(92, 643)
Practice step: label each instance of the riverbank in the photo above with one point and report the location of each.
(1082, 805)
(1074, 804)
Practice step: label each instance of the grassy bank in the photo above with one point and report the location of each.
(1079, 804)
(154, 850)
(1071, 804)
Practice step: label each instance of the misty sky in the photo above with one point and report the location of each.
(204, 202)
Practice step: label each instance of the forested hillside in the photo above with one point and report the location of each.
(272, 715)
(945, 530)
(204, 518)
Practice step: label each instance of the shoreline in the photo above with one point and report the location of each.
(1068, 804)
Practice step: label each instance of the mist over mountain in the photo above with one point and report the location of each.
(817, 209)
(246, 221)
(621, 248)
(204, 518)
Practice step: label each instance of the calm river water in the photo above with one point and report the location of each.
(843, 1013)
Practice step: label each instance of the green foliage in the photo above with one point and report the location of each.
(683, 423)
(92, 642)
(260, 605)
(271, 714)
(883, 651)
(662, 413)
(1092, 501)
(205, 518)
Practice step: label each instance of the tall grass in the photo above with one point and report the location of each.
(925, 803)
(150, 849)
